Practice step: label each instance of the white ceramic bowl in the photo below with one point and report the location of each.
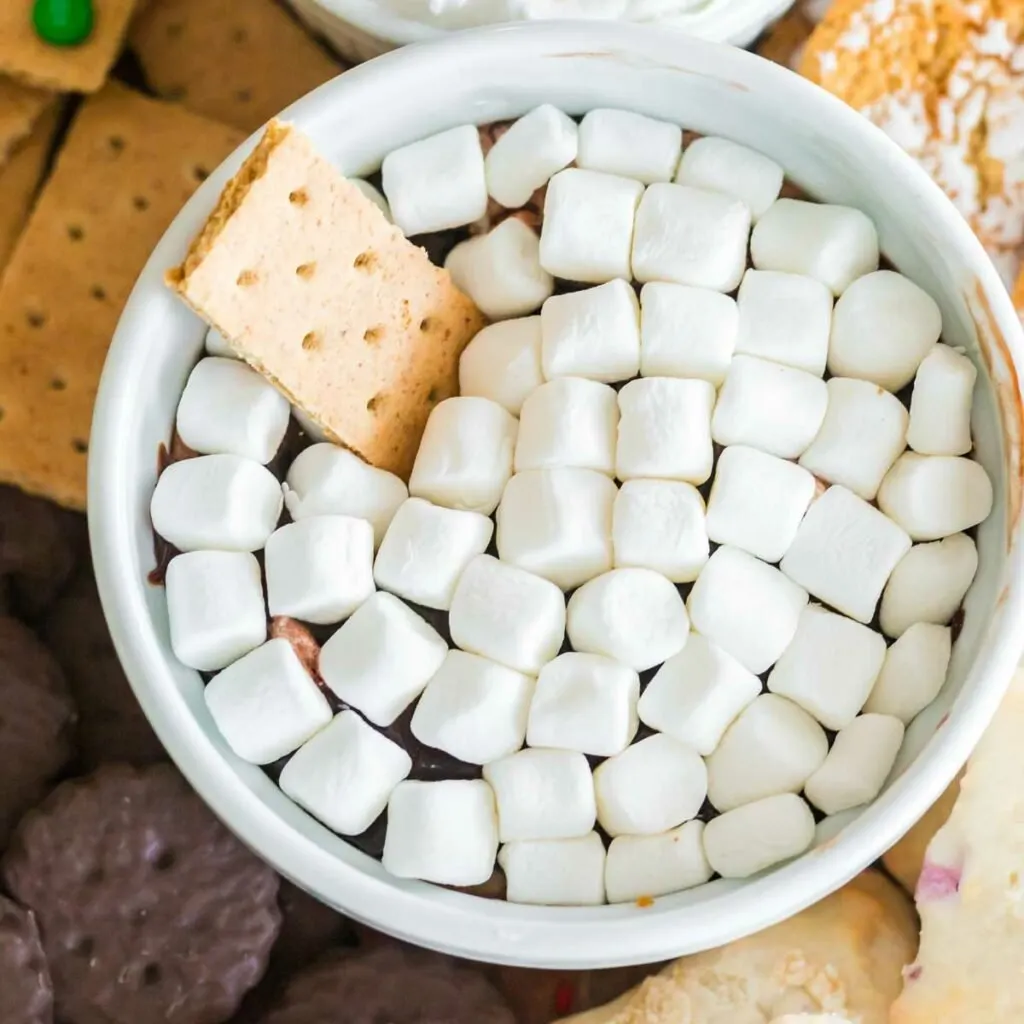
(484, 76)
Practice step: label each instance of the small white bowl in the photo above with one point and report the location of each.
(831, 151)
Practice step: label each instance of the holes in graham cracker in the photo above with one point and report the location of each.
(299, 197)
(374, 403)
(35, 319)
(311, 341)
(151, 975)
(141, 203)
(80, 446)
(246, 278)
(175, 29)
(427, 324)
(116, 144)
(366, 261)
(200, 173)
(76, 232)
(98, 292)
(57, 384)
(433, 396)
(374, 335)
(305, 270)
(243, 95)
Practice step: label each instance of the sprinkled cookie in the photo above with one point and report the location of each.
(26, 992)
(904, 860)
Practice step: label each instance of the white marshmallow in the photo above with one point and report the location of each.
(215, 607)
(569, 421)
(593, 333)
(500, 270)
(436, 183)
(652, 786)
(374, 195)
(830, 666)
(555, 872)
(757, 502)
(635, 616)
(508, 615)
(774, 408)
(381, 658)
(940, 405)
(584, 702)
(328, 480)
(834, 244)
(216, 344)
(659, 525)
(690, 236)
(882, 327)
(647, 866)
(773, 747)
(928, 584)
(228, 408)
(862, 435)
(934, 496)
(697, 694)
(634, 146)
(465, 455)
(474, 709)
(844, 551)
(444, 832)
(345, 774)
(502, 363)
(542, 794)
(725, 166)
(686, 332)
(587, 233)
(557, 523)
(426, 550)
(746, 607)
(913, 672)
(758, 836)
(216, 502)
(665, 429)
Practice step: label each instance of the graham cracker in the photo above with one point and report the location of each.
(127, 166)
(1018, 294)
(239, 61)
(20, 108)
(316, 290)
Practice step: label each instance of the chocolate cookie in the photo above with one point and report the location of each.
(26, 993)
(150, 910)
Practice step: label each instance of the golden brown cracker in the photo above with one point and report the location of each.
(239, 61)
(1018, 294)
(126, 168)
(784, 41)
(20, 108)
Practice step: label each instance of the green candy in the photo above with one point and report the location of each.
(63, 22)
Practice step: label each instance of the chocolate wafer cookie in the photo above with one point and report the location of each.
(26, 992)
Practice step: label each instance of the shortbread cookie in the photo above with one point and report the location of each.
(904, 860)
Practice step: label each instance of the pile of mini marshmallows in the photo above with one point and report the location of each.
(829, 558)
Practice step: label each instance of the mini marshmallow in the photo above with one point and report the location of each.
(746, 607)
(584, 702)
(862, 435)
(725, 166)
(934, 496)
(652, 786)
(569, 421)
(542, 794)
(844, 551)
(216, 344)
(502, 363)
(928, 584)
(374, 195)
(632, 145)
(437, 183)
(647, 866)
(228, 408)
(557, 523)
(523, 159)
(913, 672)
(500, 270)
(857, 765)
(215, 607)
(426, 550)
(690, 236)
(883, 326)
(465, 455)
(474, 709)
(767, 406)
(686, 332)
(774, 746)
(834, 244)
(555, 872)
(758, 836)
(697, 694)
(757, 502)
(444, 832)
(830, 666)
(345, 774)
(587, 234)
(508, 615)
(381, 658)
(216, 502)
(593, 333)
(633, 615)
(940, 405)
(659, 525)
(665, 429)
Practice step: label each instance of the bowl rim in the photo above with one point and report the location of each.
(472, 927)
